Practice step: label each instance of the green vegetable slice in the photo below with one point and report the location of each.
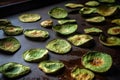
(73, 5)
(65, 29)
(51, 66)
(82, 74)
(9, 44)
(96, 19)
(29, 17)
(13, 30)
(107, 1)
(97, 61)
(66, 21)
(116, 21)
(109, 41)
(35, 55)
(58, 13)
(114, 30)
(92, 3)
(59, 46)
(4, 23)
(14, 70)
(47, 23)
(80, 39)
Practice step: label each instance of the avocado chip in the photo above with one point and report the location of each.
(92, 3)
(114, 30)
(97, 61)
(73, 5)
(14, 70)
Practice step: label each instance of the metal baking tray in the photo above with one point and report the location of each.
(70, 59)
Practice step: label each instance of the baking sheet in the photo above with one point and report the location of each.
(70, 59)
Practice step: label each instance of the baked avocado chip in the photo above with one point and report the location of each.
(97, 61)
(92, 3)
(36, 34)
(66, 21)
(80, 39)
(14, 70)
(73, 5)
(9, 44)
(65, 29)
(4, 23)
(116, 21)
(51, 67)
(29, 17)
(82, 74)
(58, 13)
(47, 23)
(59, 46)
(35, 55)
(13, 30)
(114, 30)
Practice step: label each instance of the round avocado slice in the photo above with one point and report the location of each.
(97, 61)
(80, 39)
(29, 17)
(59, 46)
(107, 1)
(9, 44)
(35, 55)
(109, 41)
(65, 29)
(114, 30)
(51, 67)
(73, 5)
(4, 23)
(96, 19)
(116, 21)
(82, 74)
(58, 13)
(66, 21)
(92, 3)
(13, 30)
(36, 34)
(47, 23)
(14, 70)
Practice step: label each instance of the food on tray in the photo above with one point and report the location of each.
(73, 5)
(114, 30)
(65, 29)
(4, 23)
(29, 17)
(82, 74)
(9, 44)
(59, 46)
(58, 13)
(13, 30)
(51, 66)
(14, 70)
(66, 21)
(81, 40)
(92, 3)
(116, 21)
(109, 41)
(47, 23)
(35, 55)
(97, 61)
(107, 1)
(36, 34)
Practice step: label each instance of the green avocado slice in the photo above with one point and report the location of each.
(66, 21)
(114, 30)
(73, 5)
(14, 70)
(97, 61)
(116, 21)
(58, 13)
(92, 3)
(35, 55)
(47, 23)
(59, 46)
(51, 67)
(9, 44)
(4, 23)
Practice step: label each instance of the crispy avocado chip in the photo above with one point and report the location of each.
(116, 21)
(29, 17)
(36, 34)
(58, 13)
(82, 74)
(59, 46)
(9, 44)
(13, 30)
(92, 3)
(97, 61)
(114, 30)
(107, 1)
(96, 19)
(73, 5)
(106, 10)
(4, 23)
(47, 23)
(80, 39)
(51, 67)
(87, 10)
(35, 55)
(92, 31)
(66, 21)
(14, 70)
(109, 41)
(65, 29)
